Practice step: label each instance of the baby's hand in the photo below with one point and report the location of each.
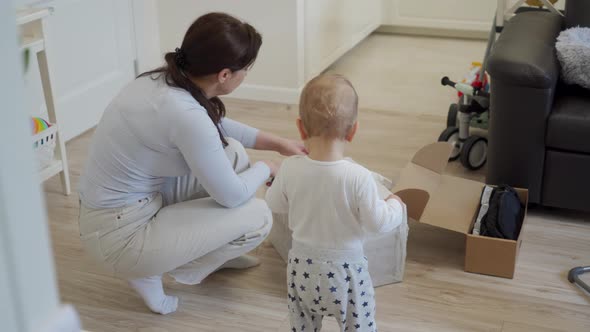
(392, 196)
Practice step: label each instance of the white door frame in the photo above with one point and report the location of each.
(29, 298)
(148, 54)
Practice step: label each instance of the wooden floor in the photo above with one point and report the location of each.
(435, 296)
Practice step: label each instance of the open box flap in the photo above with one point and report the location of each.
(421, 177)
(435, 199)
(454, 204)
(433, 156)
(425, 168)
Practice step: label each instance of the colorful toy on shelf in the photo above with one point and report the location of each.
(38, 125)
(44, 141)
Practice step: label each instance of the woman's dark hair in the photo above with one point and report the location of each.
(214, 42)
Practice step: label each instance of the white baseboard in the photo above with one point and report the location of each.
(267, 93)
(433, 32)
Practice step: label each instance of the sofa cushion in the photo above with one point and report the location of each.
(566, 183)
(569, 123)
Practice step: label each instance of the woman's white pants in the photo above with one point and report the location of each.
(180, 231)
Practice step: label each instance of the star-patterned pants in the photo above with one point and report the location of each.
(330, 283)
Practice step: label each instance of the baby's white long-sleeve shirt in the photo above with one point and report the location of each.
(331, 205)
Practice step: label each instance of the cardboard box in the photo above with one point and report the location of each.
(452, 203)
(386, 252)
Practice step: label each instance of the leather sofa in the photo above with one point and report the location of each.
(539, 133)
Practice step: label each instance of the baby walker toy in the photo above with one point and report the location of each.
(472, 110)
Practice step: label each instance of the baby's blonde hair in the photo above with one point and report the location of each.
(328, 106)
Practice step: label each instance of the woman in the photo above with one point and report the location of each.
(168, 187)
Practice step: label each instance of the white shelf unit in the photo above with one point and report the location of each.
(31, 22)
(35, 45)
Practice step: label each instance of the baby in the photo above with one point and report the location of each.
(332, 204)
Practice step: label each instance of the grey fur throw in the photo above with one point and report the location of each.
(573, 52)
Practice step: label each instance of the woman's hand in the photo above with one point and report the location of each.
(274, 167)
(286, 147)
(291, 147)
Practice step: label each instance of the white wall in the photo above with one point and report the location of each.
(277, 63)
(332, 27)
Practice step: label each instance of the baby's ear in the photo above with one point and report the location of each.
(349, 137)
(302, 132)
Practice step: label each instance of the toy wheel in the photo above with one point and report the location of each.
(451, 135)
(475, 152)
(452, 115)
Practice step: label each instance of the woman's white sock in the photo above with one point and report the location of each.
(151, 291)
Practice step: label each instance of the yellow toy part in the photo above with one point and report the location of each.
(538, 3)
(472, 74)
